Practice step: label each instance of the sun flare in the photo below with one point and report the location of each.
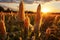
(45, 10)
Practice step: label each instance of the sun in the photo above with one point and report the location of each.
(45, 10)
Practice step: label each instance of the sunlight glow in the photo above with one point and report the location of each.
(45, 10)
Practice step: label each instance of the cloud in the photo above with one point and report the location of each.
(46, 0)
(9, 0)
(28, 1)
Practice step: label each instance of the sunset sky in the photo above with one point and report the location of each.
(31, 5)
(52, 6)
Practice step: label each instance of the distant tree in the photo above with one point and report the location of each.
(1, 9)
(8, 10)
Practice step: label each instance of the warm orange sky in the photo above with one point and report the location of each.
(52, 6)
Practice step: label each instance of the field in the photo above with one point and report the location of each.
(15, 29)
(12, 25)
